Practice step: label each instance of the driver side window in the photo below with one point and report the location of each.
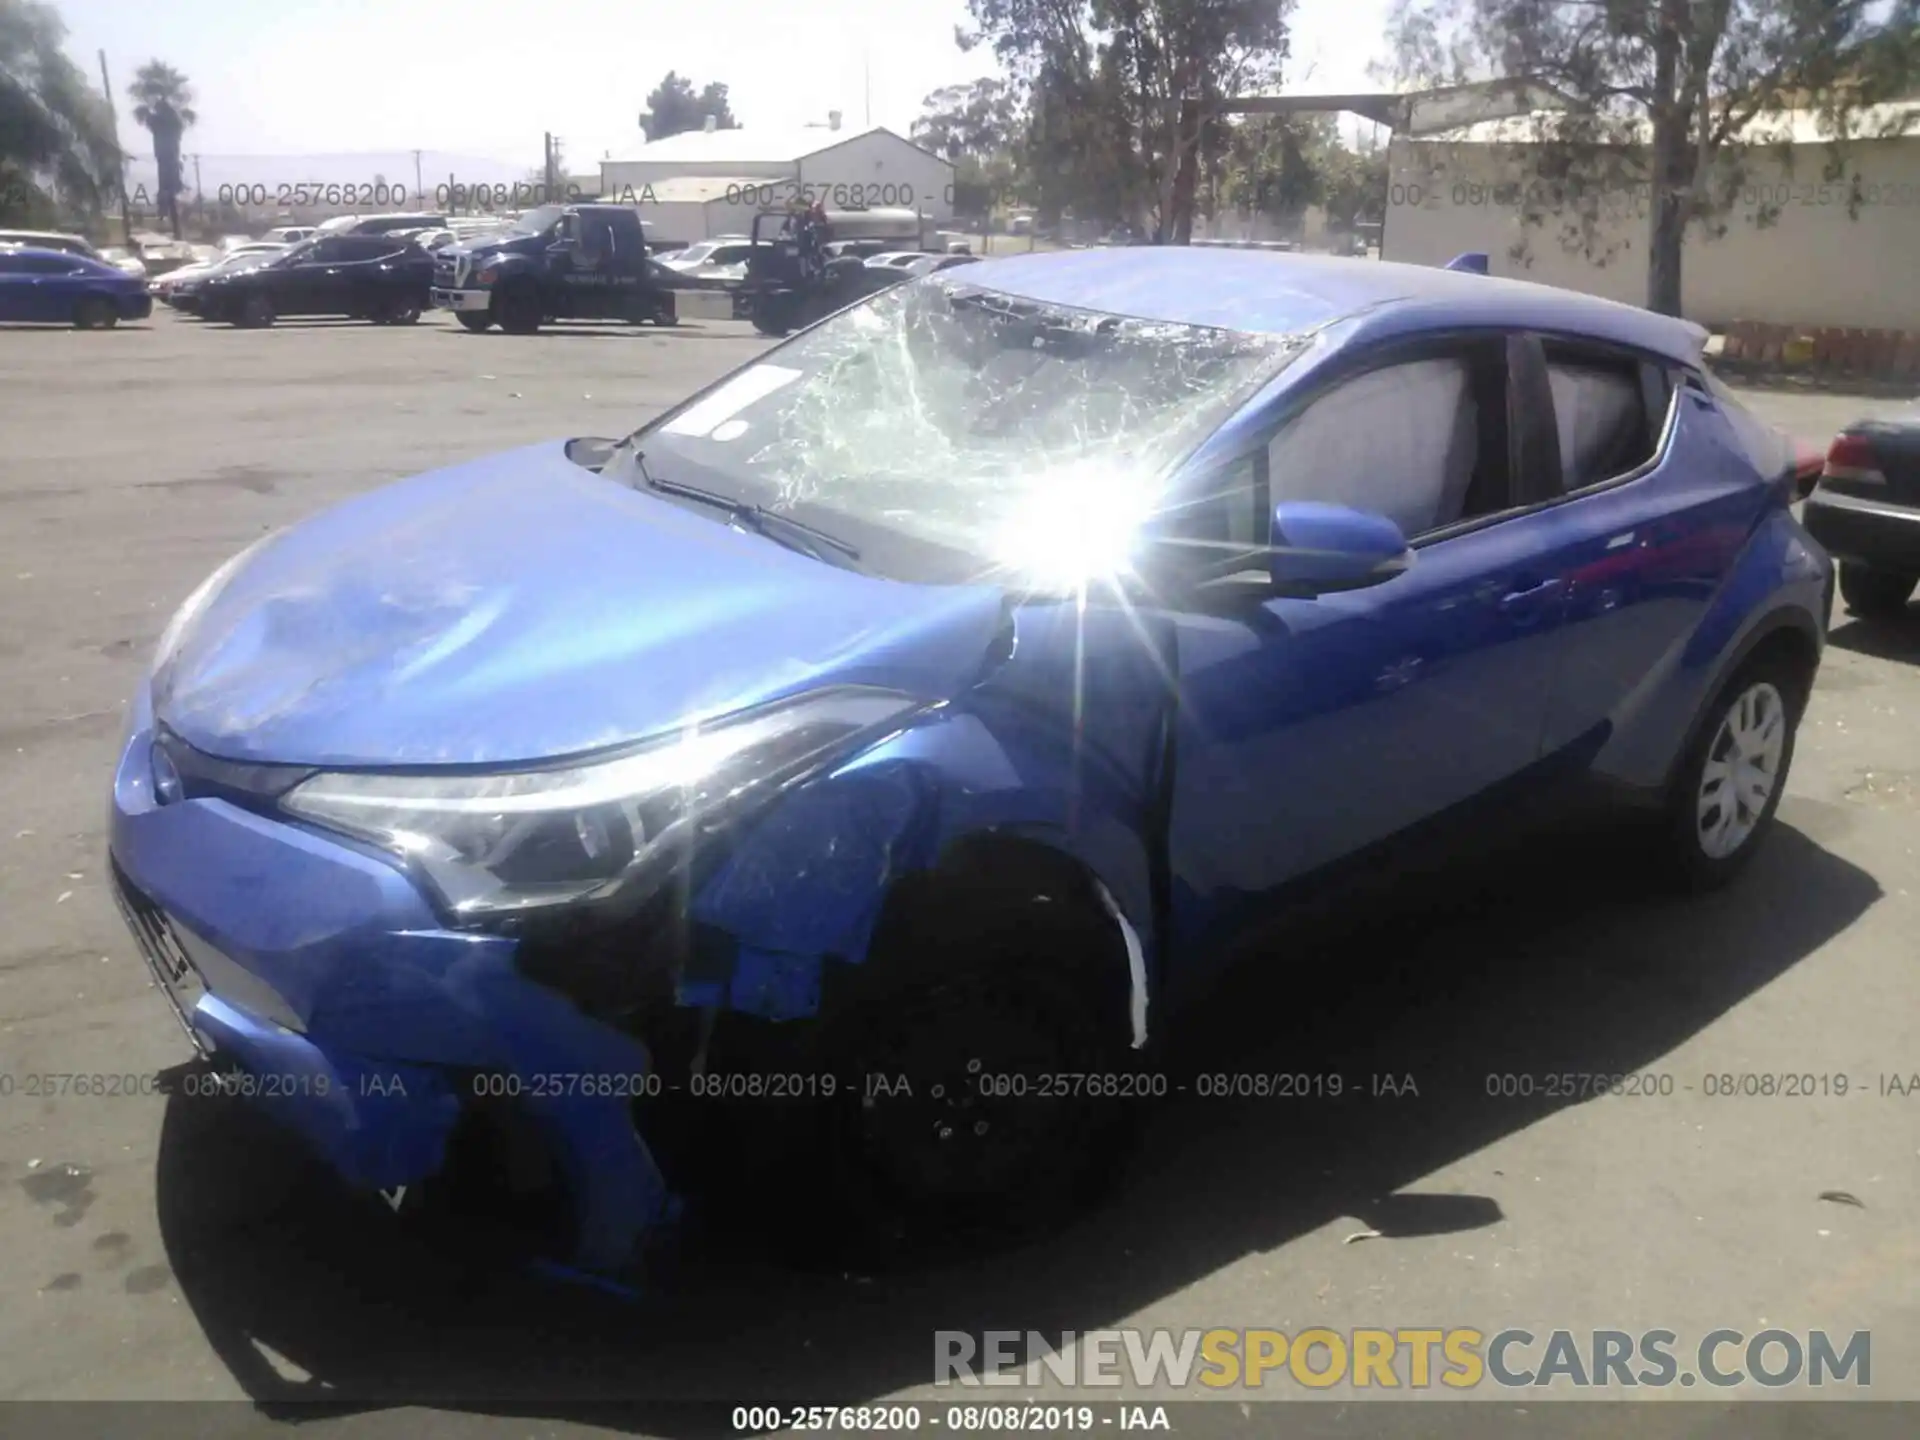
(1402, 441)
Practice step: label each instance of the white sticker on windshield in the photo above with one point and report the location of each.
(730, 399)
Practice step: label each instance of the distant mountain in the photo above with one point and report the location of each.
(275, 181)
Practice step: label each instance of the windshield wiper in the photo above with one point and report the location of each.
(749, 516)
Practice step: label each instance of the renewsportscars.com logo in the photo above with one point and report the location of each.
(1402, 1359)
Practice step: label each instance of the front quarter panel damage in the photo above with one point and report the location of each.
(1058, 746)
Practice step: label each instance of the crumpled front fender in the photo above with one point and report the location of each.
(805, 884)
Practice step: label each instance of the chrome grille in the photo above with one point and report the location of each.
(162, 951)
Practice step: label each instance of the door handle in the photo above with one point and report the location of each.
(1520, 602)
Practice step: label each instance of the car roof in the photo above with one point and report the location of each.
(1279, 293)
(45, 234)
(41, 252)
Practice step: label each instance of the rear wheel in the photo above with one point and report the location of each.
(95, 312)
(773, 315)
(474, 320)
(402, 312)
(1724, 799)
(1875, 594)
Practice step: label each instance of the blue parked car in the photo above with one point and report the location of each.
(53, 287)
(858, 763)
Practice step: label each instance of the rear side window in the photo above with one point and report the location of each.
(47, 265)
(1600, 410)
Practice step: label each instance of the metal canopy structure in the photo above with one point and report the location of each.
(1415, 112)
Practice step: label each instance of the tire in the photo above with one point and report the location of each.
(401, 312)
(255, 312)
(994, 1000)
(1875, 594)
(1757, 711)
(478, 321)
(94, 312)
(519, 311)
(774, 315)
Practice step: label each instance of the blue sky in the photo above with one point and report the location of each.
(294, 77)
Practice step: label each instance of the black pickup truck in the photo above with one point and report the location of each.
(558, 262)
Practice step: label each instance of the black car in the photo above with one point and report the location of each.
(1866, 510)
(381, 278)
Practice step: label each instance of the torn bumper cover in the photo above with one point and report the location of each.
(321, 977)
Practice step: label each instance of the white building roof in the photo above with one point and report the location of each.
(742, 146)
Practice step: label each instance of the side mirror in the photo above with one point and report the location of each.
(1319, 548)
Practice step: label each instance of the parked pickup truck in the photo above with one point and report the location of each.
(558, 262)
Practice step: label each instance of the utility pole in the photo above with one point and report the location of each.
(553, 185)
(199, 196)
(120, 156)
(419, 185)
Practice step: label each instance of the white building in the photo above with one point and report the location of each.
(690, 208)
(717, 179)
(1794, 251)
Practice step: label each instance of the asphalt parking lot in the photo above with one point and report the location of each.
(154, 1251)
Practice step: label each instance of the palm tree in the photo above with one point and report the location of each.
(57, 150)
(163, 103)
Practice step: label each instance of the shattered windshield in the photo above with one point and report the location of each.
(971, 419)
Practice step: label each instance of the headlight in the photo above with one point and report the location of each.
(196, 603)
(523, 840)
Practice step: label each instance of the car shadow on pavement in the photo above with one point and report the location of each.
(1897, 638)
(1551, 957)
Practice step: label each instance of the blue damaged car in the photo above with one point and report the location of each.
(859, 762)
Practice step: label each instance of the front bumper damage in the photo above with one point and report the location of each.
(323, 978)
(322, 982)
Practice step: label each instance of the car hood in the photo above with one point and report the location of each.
(484, 244)
(520, 608)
